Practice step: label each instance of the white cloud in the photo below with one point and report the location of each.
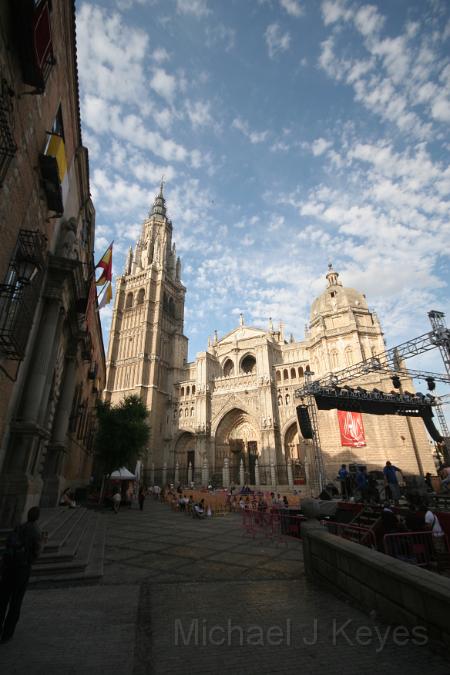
(368, 20)
(440, 110)
(160, 55)
(105, 119)
(164, 84)
(292, 7)
(198, 8)
(199, 113)
(220, 33)
(335, 10)
(111, 56)
(253, 136)
(319, 146)
(276, 40)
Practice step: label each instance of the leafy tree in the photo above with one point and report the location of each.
(122, 433)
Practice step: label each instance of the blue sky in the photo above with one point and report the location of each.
(290, 133)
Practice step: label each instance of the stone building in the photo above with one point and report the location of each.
(52, 364)
(232, 411)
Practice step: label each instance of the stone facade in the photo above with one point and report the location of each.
(232, 412)
(51, 350)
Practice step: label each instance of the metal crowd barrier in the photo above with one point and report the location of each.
(355, 533)
(417, 548)
(265, 523)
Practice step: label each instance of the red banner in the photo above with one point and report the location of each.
(351, 428)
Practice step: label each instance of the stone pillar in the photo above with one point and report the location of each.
(177, 473)
(226, 472)
(190, 473)
(241, 472)
(164, 474)
(20, 482)
(55, 452)
(205, 472)
(273, 478)
(257, 480)
(42, 362)
(289, 473)
(152, 474)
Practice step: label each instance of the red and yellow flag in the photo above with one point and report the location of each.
(107, 295)
(105, 263)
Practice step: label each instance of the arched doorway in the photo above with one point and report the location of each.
(295, 449)
(185, 453)
(237, 438)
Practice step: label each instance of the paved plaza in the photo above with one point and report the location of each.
(182, 596)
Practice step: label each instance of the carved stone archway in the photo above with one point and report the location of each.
(295, 449)
(184, 452)
(237, 438)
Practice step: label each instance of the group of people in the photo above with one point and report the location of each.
(364, 486)
(256, 501)
(117, 498)
(180, 501)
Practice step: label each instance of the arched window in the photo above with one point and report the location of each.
(307, 369)
(248, 364)
(192, 412)
(334, 358)
(300, 372)
(287, 398)
(228, 368)
(193, 389)
(188, 390)
(293, 374)
(348, 356)
(186, 412)
(129, 300)
(181, 412)
(280, 399)
(171, 309)
(182, 391)
(278, 375)
(285, 374)
(141, 296)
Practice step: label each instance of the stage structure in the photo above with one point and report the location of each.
(330, 391)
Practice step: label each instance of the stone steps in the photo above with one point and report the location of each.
(74, 552)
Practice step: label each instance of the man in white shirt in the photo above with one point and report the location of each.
(433, 524)
(117, 498)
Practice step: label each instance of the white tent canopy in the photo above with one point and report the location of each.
(122, 474)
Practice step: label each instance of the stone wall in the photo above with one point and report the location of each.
(398, 592)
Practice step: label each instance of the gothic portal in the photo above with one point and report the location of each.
(234, 406)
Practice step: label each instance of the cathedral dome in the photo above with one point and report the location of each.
(336, 297)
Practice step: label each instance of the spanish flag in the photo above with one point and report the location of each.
(105, 263)
(107, 295)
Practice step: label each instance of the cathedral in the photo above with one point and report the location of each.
(229, 417)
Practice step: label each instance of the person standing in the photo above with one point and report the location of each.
(438, 535)
(344, 477)
(362, 483)
(23, 548)
(117, 498)
(391, 481)
(142, 494)
(445, 478)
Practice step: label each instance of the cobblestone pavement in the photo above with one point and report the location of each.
(190, 597)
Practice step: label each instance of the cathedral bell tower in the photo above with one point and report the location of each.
(147, 349)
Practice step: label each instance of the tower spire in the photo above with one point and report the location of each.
(159, 205)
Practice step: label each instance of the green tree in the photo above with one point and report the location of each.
(122, 433)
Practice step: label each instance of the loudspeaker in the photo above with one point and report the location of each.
(304, 421)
